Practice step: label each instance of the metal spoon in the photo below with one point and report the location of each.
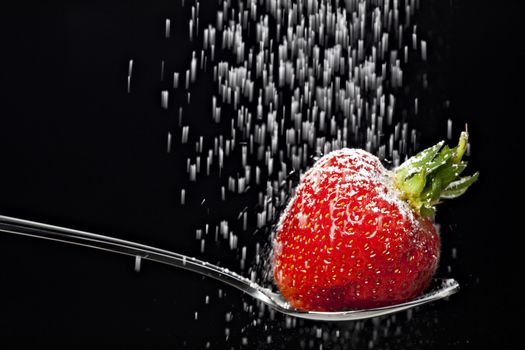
(442, 287)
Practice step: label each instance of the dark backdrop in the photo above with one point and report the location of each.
(77, 151)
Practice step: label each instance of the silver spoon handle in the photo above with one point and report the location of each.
(115, 245)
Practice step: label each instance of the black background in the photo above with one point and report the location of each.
(76, 150)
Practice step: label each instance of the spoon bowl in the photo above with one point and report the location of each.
(440, 289)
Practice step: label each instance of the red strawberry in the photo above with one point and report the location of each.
(357, 235)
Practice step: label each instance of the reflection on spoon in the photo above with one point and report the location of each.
(442, 287)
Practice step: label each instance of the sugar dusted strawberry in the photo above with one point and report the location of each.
(357, 235)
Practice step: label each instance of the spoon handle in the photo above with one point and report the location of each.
(140, 251)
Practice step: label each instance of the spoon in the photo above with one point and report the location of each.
(441, 287)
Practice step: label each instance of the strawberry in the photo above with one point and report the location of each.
(356, 235)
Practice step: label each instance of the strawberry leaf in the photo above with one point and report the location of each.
(457, 188)
(434, 174)
(417, 163)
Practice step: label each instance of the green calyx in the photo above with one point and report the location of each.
(432, 175)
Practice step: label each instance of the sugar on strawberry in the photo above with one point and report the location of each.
(356, 235)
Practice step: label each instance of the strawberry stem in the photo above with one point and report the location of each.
(434, 174)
